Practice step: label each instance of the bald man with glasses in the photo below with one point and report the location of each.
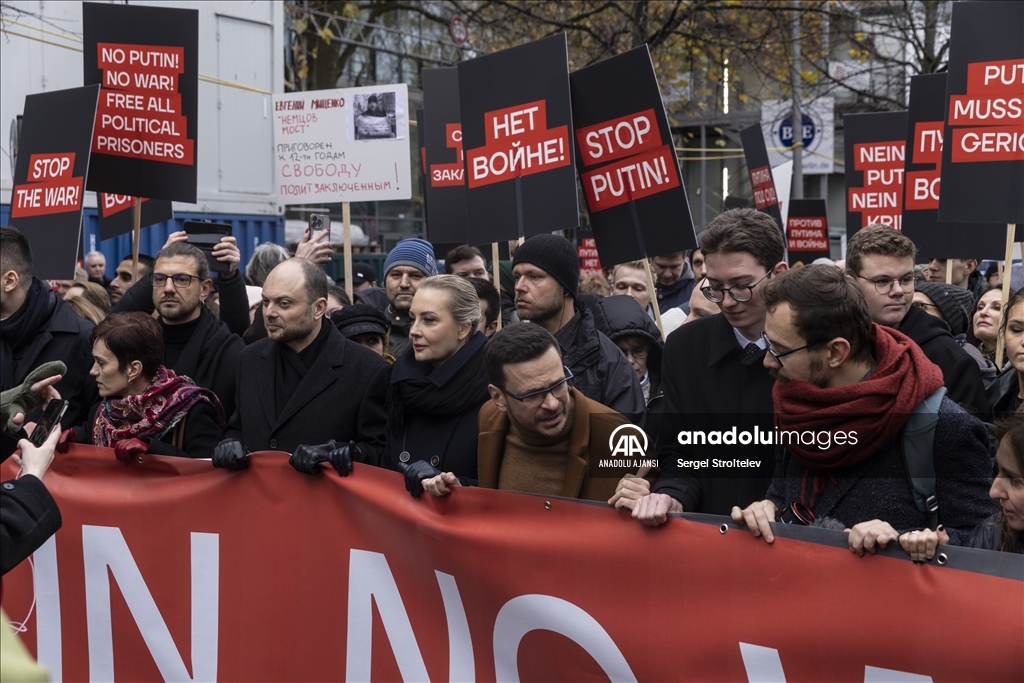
(537, 433)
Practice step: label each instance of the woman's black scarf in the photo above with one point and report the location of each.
(419, 389)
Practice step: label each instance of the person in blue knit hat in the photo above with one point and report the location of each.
(406, 266)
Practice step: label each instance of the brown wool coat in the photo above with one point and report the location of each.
(589, 439)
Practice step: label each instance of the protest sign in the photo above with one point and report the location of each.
(875, 145)
(923, 167)
(516, 119)
(807, 231)
(761, 180)
(146, 59)
(590, 260)
(116, 217)
(345, 145)
(50, 177)
(782, 176)
(628, 167)
(983, 151)
(817, 135)
(170, 569)
(444, 163)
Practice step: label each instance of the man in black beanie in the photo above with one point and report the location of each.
(546, 272)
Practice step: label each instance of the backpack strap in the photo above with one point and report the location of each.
(919, 457)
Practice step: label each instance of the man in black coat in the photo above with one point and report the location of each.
(852, 385)
(305, 383)
(714, 380)
(36, 326)
(882, 262)
(546, 271)
(196, 343)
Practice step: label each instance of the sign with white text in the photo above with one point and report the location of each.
(517, 141)
(923, 169)
(761, 180)
(628, 168)
(983, 154)
(146, 59)
(50, 177)
(875, 147)
(117, 213)
(444, 163)
(344, 145)
(807, 231)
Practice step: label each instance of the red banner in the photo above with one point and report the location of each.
(170, 569)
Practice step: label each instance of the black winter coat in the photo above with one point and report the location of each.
(28, 513)
(339, 398)
(65, 336)
(601, 372)
(879, 488)
(1002, 393)
(201, 434)
(448, 442)
(988, 534)
(960, 372)
(710, 383)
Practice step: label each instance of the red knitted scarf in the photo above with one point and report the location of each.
(876, 408)
(163, 404)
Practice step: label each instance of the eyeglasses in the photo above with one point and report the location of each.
(533, 399)
(180, 280)
(717, 294)
(779, 356)
(884, 285)
(638, 354)
(923, 305)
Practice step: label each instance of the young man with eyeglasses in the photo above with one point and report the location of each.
(713, 378)
(852, 385)
(538, 434)
(196, 343)
(881, 260)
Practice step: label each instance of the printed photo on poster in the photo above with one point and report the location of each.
(375, 116)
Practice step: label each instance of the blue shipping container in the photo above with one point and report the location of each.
(249, 230)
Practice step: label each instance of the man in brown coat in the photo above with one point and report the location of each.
(537, 434)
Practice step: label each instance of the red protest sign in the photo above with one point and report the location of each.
(993, 108)
(590, 260)
(450, 175)
(878, 196)
(50, 188)
(617, 138)
(518, 143)
(636, 177)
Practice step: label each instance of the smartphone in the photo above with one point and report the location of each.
(319, 222)
(51, 418)
(206, 235)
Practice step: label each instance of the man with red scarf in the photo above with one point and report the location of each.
(852, 385)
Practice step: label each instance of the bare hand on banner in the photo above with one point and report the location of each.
(869, 536)
(316, 249)
(757, 517)
(922, 544)
(629, 490)
(442, 484)
(653, 510)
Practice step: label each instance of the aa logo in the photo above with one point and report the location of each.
(628, 441)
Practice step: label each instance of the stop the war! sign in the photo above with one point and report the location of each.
(146, 59)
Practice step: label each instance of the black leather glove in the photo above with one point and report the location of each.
(415, 473)
(308, 458)
(229, 455)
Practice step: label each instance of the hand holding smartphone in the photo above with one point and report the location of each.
(48, 422)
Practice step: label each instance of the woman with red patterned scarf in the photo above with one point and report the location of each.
(144, 406)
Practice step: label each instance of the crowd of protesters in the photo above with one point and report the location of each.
(413, 374)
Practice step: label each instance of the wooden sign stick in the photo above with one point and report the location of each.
(136, 236)
(497, 276)
(346, 224)
(1011, 228)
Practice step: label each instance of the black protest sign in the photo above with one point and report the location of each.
(117, 213)
(516, 135)
(923, 166)
(983, 150)
(765, 199)
(875, 145)
(423, 158)
(50, 177)
(146, 59)
(444, 165)
(807, 231)
(628, 165)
